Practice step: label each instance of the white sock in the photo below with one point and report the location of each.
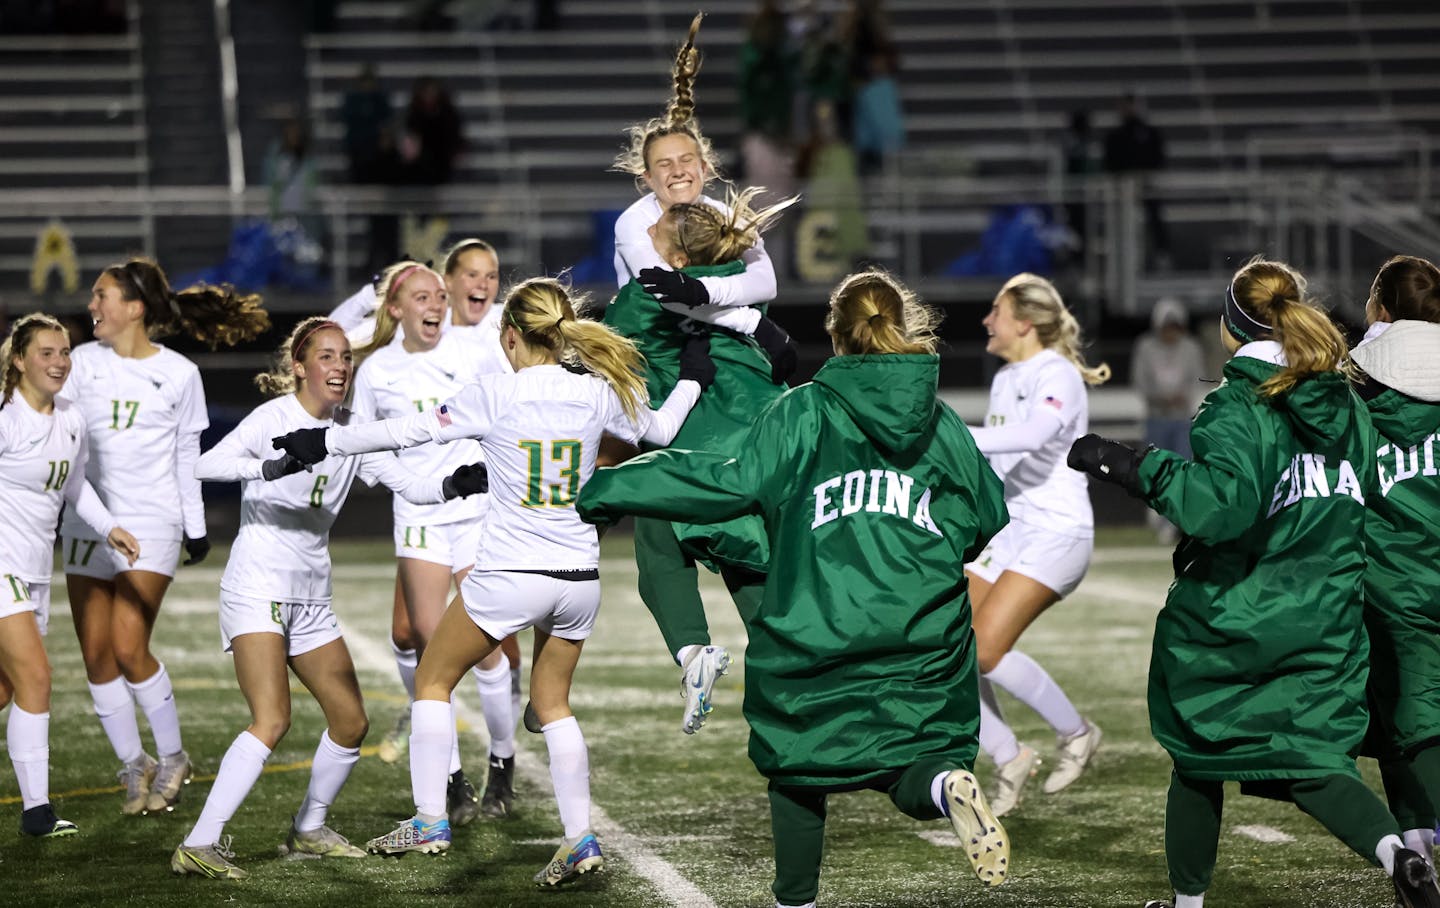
(1422, 842)
(405, 662)
(1385, 852)
(684, 652)
(157, 699)
(238, 773)
(328, 773)
(1189, 901)
(937, 793)
(432, 736)
(494, 687)
(27, 737)
(454, 748)
(1024, 679)
(996, 738)
(116, 708)
(806, 905)
(570, 771)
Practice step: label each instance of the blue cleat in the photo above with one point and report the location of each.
(413, 835)
(571, 860)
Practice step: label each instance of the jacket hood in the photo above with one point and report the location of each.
(891, 396)
(1320, 408)
(1406, 357)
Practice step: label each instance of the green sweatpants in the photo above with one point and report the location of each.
(669, 586)
(1405, 787)
(797, 823)
(1343, 804)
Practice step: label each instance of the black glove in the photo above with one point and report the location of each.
(673, 286)
(197, 549)
(1108, 461)
(695, 361)
(305, 445)
(469, 479)
(784, 356)
(276, 467)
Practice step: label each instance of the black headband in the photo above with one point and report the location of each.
(1239, 322)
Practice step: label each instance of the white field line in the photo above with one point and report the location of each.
(1267, 834)
(672, 886)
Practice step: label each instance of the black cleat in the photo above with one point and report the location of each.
(40, 821)
(460, 799)
(1414, 881)
(499, 795)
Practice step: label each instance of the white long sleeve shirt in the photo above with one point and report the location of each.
(540, 429)
(143, 418)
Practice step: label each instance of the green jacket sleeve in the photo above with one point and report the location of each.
(669, 484)
(1217, 496)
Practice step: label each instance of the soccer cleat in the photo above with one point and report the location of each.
(40, 822)
(1159, 903)
(461, 802)
(173, 773)
(137, 776)
(211, 861)
(702, 669)
(1072, 756)
(571, 860)
(981, 835)
(1414, 881)
(413, 835)
(1010, 779)
(396, 742)
(499, 794)
(321, 843)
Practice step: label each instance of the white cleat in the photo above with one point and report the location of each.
(702, 669)
(986, 845)
(1072, 756)
(1010, 779)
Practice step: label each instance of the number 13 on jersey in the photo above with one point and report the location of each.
(558, 474)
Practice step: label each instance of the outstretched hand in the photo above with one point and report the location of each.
(1107, 461)
(283, 465)
(673, 286)
(305, 445)
(468, 479)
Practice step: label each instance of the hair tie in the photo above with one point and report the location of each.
(871, 320)
(299, 342)
(1239, 322)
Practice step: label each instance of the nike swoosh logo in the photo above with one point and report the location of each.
(36, 441)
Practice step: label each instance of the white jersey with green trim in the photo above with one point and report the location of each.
(42, 465)
(143, 419)
(393, 382)
(282, 550)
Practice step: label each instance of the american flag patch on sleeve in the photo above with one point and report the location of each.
(443, 414)
(1054, 402)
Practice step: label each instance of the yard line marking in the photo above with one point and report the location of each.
(671, 884)
(1267, 834)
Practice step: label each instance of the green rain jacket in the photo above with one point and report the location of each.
(719, 422)
(861, 659)
(1260, 656)
(1402, 584)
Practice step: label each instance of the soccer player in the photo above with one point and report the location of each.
(144, 409)
(275, 594)
(1400, 357)
(671, 158)
(1038, 406)
(860, 671)
(1259, 664)
(410, 366)
(43, 450)
(538, 564)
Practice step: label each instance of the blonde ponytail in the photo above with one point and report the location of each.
(710, 236)
(1035, 300)
(872, 312)
(1273, 293)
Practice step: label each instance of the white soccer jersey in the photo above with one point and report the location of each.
(540, 430)
(1039, 488)
(42, 463)
(144, 418)
(281, 553)
(393, 383)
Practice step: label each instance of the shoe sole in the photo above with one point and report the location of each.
(597, 864)
(695, 718)
(180, 868)
(427, 848)
(986, 845)
(1055, 788)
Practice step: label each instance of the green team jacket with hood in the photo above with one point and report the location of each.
(719, 422)
(1402, 536)
(1260, 656)
(861, 658)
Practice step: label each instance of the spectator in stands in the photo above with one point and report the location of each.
(825, 73)
(365, 112)
(1166, 369)
(832, 235)
(1077, 146)
(434, 135)
(292, 177)
(1134, 147)
(879, 130)
(767, 74)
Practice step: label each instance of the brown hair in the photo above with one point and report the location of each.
(1407, 287)
(1273, 293)
(22, 334)
(212, 314)
(1035, 300)
(281, 378)
(543, 311)
(872, 312)
(391, 280)
(679, 117)
(710, 236)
